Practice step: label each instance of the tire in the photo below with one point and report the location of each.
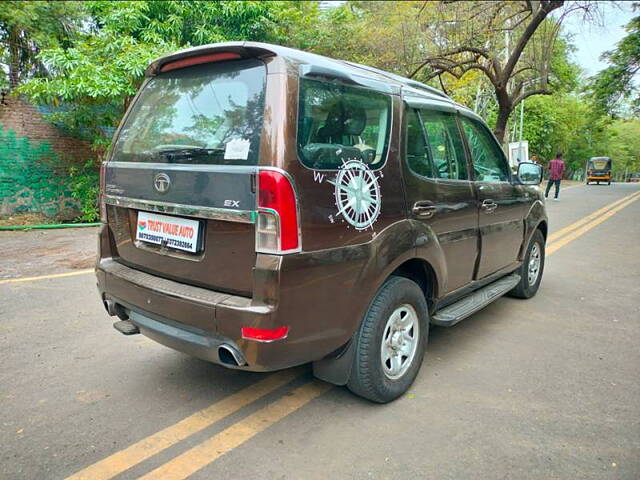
(609, 183)
(401, 298)
(527, 288)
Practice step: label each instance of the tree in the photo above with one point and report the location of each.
(487, 55)
(511, 43)
(615, 84)
(28, 27)
(624, 145)
(98, 76)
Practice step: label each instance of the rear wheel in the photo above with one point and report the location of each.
(391, 342)
(531, 269)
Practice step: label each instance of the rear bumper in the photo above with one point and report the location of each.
(194, 320)
(599, 177)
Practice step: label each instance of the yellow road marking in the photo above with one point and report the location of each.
(588, 218)
(151, 445)
(208, 451)
(46, 277)
(557, 245)
(211, 449)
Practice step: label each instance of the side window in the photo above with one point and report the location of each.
(447, 152)
(417, 157)
(488, 160)
(337, 123)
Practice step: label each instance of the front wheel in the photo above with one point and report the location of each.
(391, 341)
(531, 269)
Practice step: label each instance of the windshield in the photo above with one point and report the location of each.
(210, 113)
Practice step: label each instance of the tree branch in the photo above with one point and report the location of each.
(442, 56)
(544, 10)
(530, 93)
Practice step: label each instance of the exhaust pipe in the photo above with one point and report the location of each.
(115, 309)
(229, 355)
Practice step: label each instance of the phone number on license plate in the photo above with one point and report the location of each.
(173, 232)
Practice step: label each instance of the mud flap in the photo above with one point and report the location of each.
(336, 369)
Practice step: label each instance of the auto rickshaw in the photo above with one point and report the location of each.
(599, 170)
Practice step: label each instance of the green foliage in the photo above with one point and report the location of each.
(84, 186)
(28, 27)
(624, 145)
(615, 84)
(101, 72)
(98, 64)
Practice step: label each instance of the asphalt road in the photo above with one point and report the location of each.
(544, 388)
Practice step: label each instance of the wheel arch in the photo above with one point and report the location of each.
(544, 228)
(420, 271)
(536, 219)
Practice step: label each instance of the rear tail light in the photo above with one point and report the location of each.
(277, 226)
(101, 205)
(264, 334)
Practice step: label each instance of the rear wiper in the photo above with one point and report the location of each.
(186, 152)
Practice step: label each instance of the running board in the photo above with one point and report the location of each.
(449, 316)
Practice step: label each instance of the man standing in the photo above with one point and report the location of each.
(556, 169)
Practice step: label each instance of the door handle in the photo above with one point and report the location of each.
(489, 205)
(424, 209)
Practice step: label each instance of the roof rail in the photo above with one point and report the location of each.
(399, 78)
(422, 86)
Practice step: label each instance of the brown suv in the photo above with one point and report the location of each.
(265, 207)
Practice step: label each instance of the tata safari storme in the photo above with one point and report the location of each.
(265, 207)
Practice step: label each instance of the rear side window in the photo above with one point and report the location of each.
(489, 163)
(337, 123)
(417, 156)
(445, 144)
(210, 113)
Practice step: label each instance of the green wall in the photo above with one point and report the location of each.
(28, 180)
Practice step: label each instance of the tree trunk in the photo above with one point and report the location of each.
(501, 125)
(14, 58)
(504, 110)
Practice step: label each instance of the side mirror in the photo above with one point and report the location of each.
(529, 173)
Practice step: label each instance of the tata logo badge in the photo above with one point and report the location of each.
(162, 182)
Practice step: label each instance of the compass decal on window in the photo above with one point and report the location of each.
(357, 195)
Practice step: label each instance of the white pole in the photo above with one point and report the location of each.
(521, 118)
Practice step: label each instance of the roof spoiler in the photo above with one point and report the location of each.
(207, 52)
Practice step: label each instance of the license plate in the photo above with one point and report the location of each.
(173, 232)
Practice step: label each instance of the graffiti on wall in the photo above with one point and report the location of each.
(28, 180)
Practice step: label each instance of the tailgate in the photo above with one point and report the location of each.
(220, 199)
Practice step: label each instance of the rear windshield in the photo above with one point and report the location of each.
(337, 123)
(599, 163)
(210, 114)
